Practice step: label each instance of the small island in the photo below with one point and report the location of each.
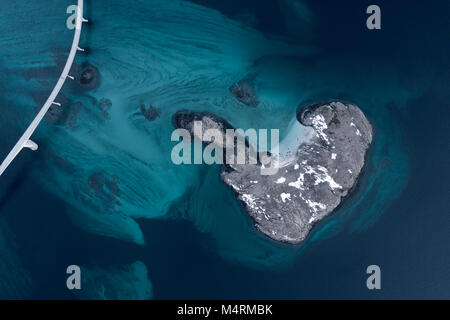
(311, 181)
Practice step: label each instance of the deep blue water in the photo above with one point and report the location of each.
(198, 242)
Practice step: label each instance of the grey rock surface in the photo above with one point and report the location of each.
(286, 205)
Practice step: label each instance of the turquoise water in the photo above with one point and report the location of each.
(182, 55)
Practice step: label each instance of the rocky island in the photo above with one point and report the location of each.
(311, 181)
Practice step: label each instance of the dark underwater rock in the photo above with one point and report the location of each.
(72, 115)
(64, 115)
(113, 185)
(86, 76)
(245, 93)
(105, 189)
(55, 115)
(105, 104)
(151, 113)
(96, 182)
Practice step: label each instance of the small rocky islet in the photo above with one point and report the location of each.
(312, 183)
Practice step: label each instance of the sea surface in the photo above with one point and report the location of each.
(102, 193)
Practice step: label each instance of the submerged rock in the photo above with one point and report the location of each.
(55, 115)
(87, 76)
(151, 113)
(96, 182)
(245, 93)
(105, 104)
(72, 115)
(113, 185)
(64, 115)
(312, 183)
(107, 190)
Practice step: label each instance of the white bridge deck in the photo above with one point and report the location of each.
(24, 141)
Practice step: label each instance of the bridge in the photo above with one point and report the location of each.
(25, 141)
